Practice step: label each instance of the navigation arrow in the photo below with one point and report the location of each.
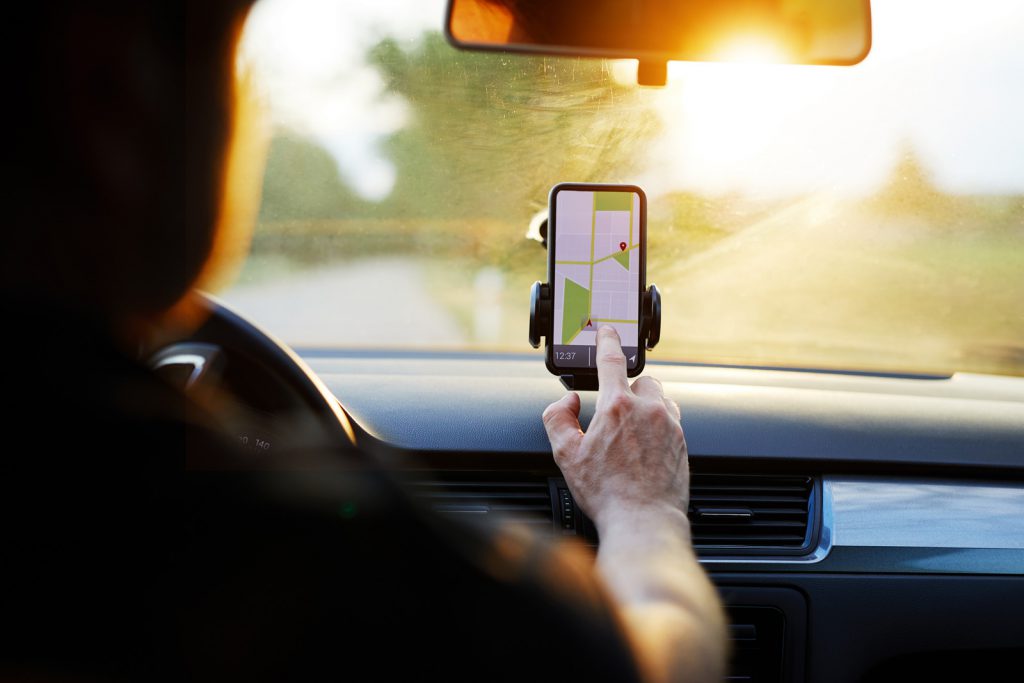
(632, 359)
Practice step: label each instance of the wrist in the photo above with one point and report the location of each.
(641, 518)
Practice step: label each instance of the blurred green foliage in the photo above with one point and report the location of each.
(487, 137)
(490, 134)
(301, 182)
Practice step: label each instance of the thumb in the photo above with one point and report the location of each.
(562, 423)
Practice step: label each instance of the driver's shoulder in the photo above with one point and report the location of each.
(80, 403)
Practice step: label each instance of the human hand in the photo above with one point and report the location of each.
(632, 459)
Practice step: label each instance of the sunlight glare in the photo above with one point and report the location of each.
(783, 130)
(752, 50)
(730, 125)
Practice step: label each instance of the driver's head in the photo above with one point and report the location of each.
(120, 122)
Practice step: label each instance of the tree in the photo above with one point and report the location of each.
(490, 134)
(911, 191)
(302, 182)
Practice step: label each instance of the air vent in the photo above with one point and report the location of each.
(730, 514)
(508, 497)
(760, 513)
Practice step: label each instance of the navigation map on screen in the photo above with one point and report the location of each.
(597, 273)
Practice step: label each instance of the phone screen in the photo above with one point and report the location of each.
(597, 271)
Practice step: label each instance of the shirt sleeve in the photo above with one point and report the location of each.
(358, 582)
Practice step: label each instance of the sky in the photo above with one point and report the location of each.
(945, 78)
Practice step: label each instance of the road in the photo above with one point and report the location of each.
(369, 303)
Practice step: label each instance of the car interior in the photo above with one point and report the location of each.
(848, 359)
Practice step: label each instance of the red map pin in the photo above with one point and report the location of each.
(622, 246)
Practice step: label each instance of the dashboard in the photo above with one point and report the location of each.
(858, 526)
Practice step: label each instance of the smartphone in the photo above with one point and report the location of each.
(597, 262)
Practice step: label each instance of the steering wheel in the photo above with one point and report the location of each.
(276, 395)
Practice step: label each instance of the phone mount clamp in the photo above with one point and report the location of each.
(541, 320)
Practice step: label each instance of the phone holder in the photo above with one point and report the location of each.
(540, 321)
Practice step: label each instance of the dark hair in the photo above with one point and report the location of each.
(134, 249)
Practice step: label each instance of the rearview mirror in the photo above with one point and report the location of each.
(655, 32)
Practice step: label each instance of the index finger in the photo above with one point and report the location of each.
(611, 362)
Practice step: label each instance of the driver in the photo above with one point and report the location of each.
(121, 563)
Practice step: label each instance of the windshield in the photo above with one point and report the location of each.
(867, 217)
